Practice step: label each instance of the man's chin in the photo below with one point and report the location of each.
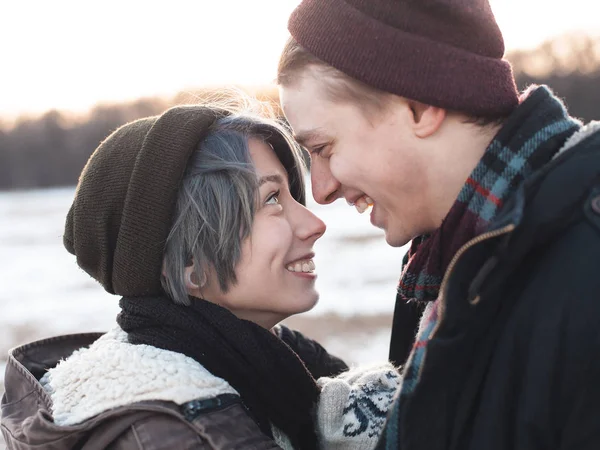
(396, 240)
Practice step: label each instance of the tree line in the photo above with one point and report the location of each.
(51, 150)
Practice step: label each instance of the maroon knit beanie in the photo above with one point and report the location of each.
(445, 53)
(125, 199)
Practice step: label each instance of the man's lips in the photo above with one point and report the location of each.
(361, 203)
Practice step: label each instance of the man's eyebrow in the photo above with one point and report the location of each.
(275, 178)
(304, 137)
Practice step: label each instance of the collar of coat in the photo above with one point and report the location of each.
(579, 136)
(112, 373)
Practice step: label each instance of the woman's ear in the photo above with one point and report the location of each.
(427, 119)
(192, 282)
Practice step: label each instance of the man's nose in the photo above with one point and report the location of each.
(325, 188)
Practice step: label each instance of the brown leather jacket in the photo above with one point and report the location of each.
(27, 421)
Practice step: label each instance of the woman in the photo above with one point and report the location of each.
(196, 218)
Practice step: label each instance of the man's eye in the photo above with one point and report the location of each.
(316, 151)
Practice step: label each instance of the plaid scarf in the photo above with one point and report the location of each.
(529, 139)
(505, 164)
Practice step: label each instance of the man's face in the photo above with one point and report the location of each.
(357, 155)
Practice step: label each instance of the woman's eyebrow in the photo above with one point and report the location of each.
(275, 178)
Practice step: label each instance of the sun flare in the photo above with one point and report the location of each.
(70, 55)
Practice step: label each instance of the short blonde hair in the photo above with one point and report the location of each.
(294, 62)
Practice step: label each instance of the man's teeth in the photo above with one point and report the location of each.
(363, 203)
(307, 266)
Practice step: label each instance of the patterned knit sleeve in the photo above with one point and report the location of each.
(353, 406)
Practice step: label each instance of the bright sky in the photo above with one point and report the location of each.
(71, 54)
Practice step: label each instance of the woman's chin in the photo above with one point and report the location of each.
(307, 303)
(311, 302)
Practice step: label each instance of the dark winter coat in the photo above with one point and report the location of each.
(515, 361)
(190, 409)
(27, 423)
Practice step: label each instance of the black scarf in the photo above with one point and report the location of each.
(272, 381)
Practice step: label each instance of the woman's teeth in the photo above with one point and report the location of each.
(307, 266)
(363, 203)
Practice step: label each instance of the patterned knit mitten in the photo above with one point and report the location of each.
(353, 406)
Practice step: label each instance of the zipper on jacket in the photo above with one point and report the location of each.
(483, 237)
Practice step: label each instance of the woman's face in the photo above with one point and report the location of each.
(276, 273)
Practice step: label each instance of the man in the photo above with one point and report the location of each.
(409, 107)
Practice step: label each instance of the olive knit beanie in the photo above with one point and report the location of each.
(125, 199)
(445, 53)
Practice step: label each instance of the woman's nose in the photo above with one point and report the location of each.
(308, 225)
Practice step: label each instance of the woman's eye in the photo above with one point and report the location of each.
(273, 199)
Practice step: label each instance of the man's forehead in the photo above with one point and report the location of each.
(303, 95)
(306, 109)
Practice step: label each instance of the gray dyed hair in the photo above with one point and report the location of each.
(217, 200)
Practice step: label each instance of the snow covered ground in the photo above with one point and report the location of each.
(44, 292)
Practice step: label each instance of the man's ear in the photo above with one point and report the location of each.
(427, 119)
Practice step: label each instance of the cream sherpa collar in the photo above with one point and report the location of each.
(112, 373)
